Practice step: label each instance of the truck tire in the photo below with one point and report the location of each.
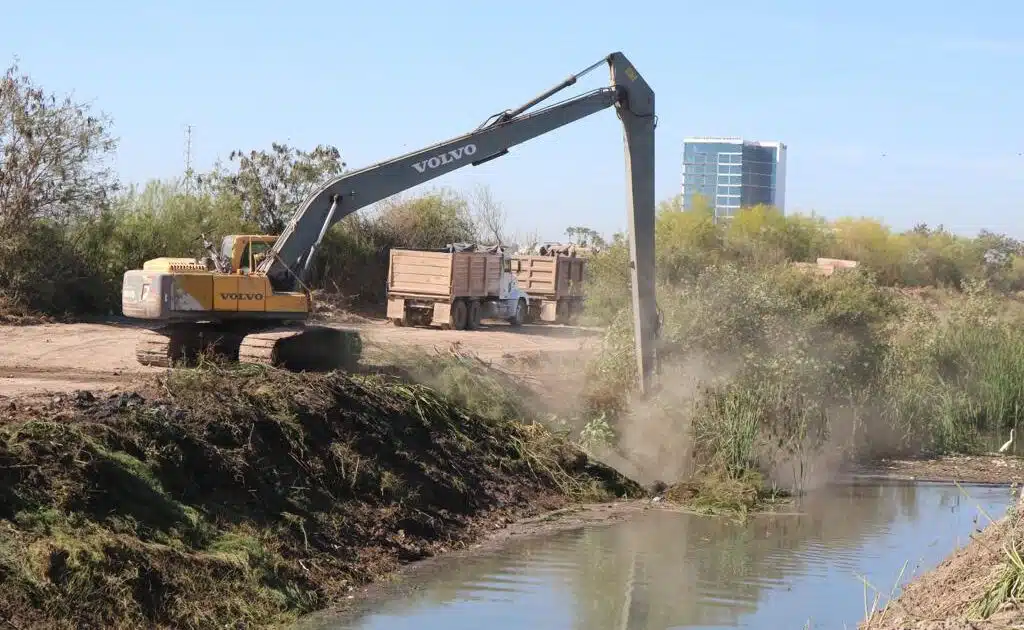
(532, 315)
(520, 314)
(475, 314)
(562, 312)
(460, 315)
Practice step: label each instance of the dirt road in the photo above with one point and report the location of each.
(65, 357)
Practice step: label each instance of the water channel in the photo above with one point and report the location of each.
(663, 569)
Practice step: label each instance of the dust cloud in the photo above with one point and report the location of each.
(656, 434)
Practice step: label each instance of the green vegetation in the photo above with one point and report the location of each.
(70, 229)
(771, 369)
(917, 351)
(1010, 584)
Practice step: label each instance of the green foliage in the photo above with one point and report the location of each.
(780, 364)
(53, 177)
(70, 233)
(51, 156)
(792, 353)
(585, 237)
(354, 256)
(271, 184)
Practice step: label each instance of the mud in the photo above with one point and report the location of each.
(41, 363)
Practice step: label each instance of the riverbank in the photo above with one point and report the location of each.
(974, 587)
(978, 587)
(983, 469)
(248, 496)
(226, 497)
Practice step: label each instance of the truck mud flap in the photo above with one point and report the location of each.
(548, 311)
(442, 314)
(396, 308)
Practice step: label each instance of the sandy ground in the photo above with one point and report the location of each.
(50, 358)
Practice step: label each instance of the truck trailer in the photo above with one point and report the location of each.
(555, 285)
(453, 288)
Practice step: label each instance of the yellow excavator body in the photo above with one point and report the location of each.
(234, 312)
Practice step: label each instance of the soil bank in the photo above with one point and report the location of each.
(976, 587)
(234, 498)
(976, 469)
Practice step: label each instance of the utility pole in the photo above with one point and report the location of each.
(188, 159)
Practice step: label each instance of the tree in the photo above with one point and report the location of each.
(430, 220)
(272, 184)
(489, 216)
(585, 237)
(997, 250)
(700, 204)
(50, 156)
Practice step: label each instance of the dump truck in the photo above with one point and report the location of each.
(554, 280)
(261, 313)
(454, 288)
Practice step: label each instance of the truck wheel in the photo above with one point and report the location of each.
(475, 314)
(562, 312)
(460, 315)
(520, 314)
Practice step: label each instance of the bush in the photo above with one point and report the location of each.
(767, 367)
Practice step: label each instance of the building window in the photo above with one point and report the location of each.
(730, 158)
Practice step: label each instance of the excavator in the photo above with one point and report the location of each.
(249, 299)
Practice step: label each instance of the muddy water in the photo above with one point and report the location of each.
(664, 569)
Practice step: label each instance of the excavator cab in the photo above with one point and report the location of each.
(245, 251)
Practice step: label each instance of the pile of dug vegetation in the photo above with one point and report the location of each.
(242, 497)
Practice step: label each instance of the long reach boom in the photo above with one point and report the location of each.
(288, 262)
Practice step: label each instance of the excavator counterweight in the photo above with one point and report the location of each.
(254, 306)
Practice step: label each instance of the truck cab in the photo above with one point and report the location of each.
(509, 283)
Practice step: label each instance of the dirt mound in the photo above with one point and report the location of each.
(238, 499)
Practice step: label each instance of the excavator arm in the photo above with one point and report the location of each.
(287, 264)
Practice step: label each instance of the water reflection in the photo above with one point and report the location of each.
(669, 570)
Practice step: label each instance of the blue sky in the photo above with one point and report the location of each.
(903, 111)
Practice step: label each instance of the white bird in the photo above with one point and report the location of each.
(1002, 449)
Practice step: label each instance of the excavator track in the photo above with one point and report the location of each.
(181, 344)
(298, 348)
(165, 346)
(306, 348)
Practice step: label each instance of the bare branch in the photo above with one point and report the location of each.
(488, 215)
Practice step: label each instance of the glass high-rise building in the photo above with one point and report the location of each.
(733, 173)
